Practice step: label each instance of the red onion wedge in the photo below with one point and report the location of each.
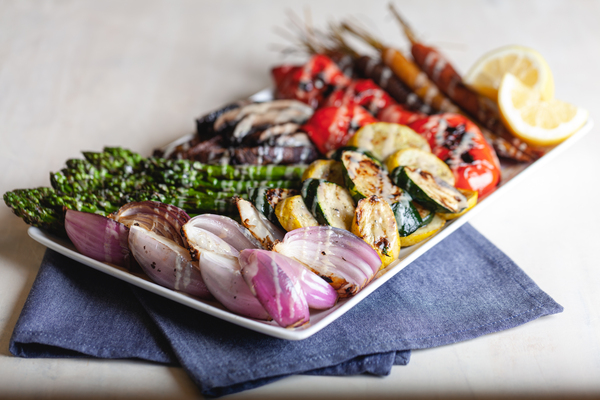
(166, 262)
(223, 277)
(319, 294)
(164, 219)
(98, 237)
(260, 227)
(227, 229)
(275, 290)
(200, 240)
(338, 256)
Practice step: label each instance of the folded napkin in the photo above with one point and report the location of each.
(461, 289)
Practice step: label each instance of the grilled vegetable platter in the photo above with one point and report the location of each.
(281, 214)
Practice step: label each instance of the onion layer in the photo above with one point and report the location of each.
(223, 277)
(275, 290)
(164, 219)
(319, 294)
(338, 256)
(98, 237)
(227, 229)
(200, 240)
(166, 263)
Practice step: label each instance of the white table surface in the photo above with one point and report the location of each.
(80, 75)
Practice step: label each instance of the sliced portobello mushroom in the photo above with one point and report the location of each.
(330, 203)
(430, 191)
(365, 178)
(293, 214)
(264, 155)
(374, 222)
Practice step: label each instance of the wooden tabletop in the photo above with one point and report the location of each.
(81, 75)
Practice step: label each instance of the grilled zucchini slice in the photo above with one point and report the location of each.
(431, 192)
(365, 178)
(265, 200)
(417, 158)
(329, 203)
(425, 214)
(407, 216)
(293, 214)
(330, 170)
(384, 138)
(436, 224)
(337, 155)
(471, 196)
(374, 223)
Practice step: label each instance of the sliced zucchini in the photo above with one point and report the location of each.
(374, 223)
(384, 138)
(417, 158)
(425, 214)
(293, 214)
(330, 170)
(337, 155)
(407, 216)
(265, 199)
(424, 232)
(365, 178)
(431, 192)
(329, 203)
(471, 196)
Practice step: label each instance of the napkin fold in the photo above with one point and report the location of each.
(462, 288)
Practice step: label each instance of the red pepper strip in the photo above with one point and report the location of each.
(399, 115)
(330, 127)
(363, 92)
(309, 83)
(459, 142)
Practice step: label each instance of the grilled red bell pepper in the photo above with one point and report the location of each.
(459, 142)
(363, 92)
(330, 127)
(310, 83)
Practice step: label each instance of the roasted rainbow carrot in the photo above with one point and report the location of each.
(485, 112)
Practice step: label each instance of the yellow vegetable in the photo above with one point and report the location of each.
(374, 222)
(424, 232)
(383, 139)
(293, 214)
(471, 202)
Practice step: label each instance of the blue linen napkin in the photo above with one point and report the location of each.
(461, 289)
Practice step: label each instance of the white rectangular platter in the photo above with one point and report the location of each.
(319, 319)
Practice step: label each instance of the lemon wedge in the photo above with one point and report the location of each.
(524, 63)
(535, 121)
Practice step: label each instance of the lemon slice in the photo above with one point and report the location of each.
(524, 63)
(535, 121)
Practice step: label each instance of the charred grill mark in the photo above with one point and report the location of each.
(454, 136)
(383, 244)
